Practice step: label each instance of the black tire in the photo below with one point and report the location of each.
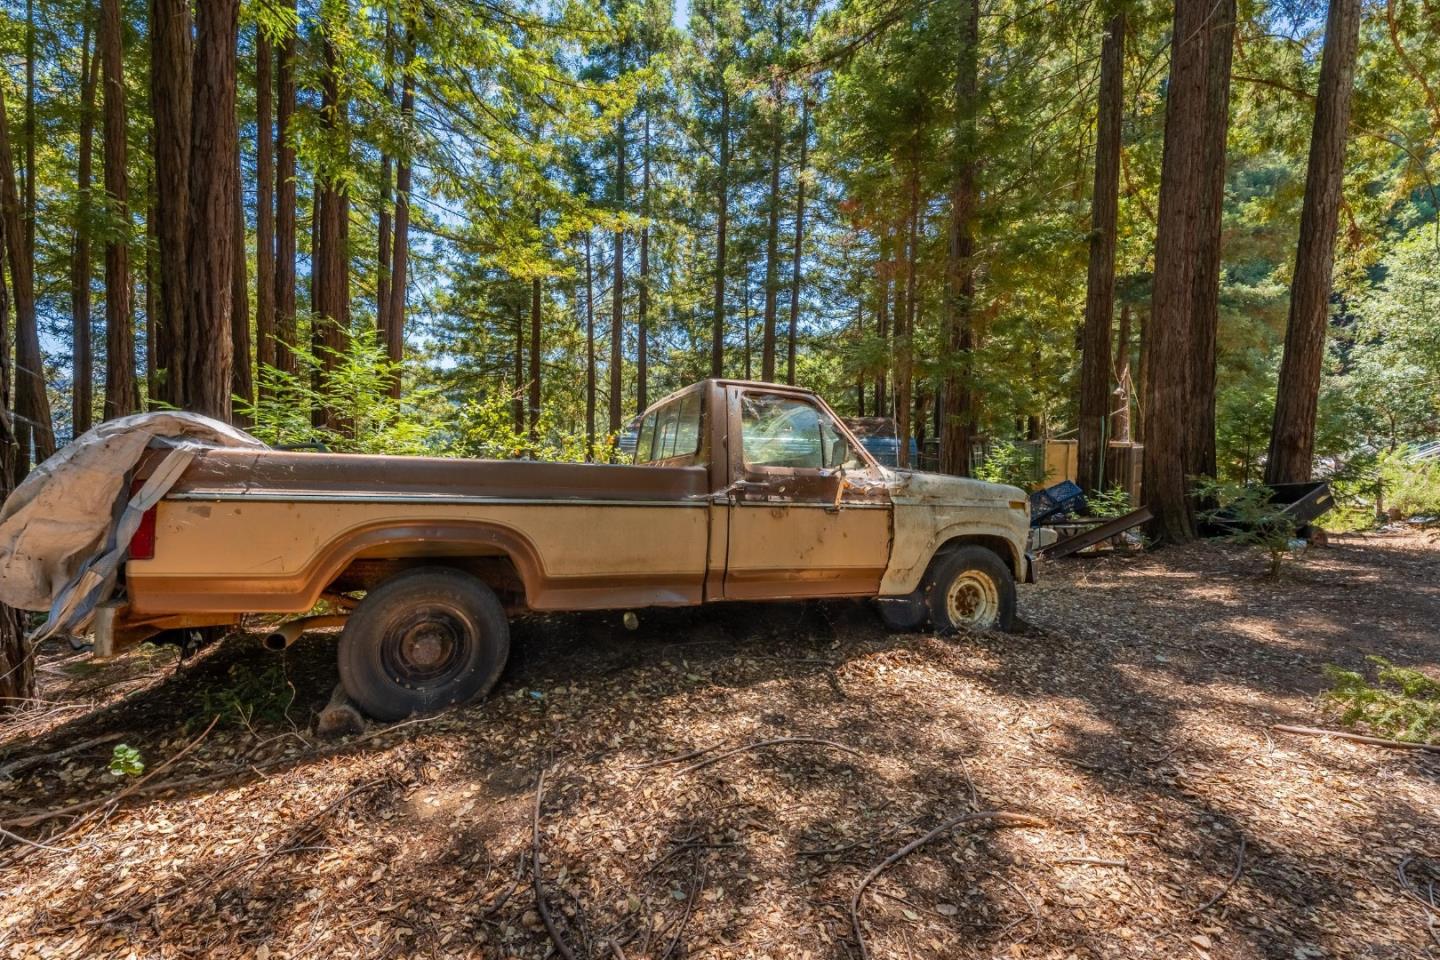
(982, 588)
(903, 614)
(423, 640)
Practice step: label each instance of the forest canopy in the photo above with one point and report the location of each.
(503, 228)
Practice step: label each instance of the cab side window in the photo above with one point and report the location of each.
(646, 440)
(672, 433)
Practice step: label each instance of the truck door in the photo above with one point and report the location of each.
(809, 516)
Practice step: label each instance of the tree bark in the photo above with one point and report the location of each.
(30, 130)
(1095, 364)
(208, 357)
(885, 274)
(265, 331)
(642, 319)
(517, 401)
(617, 290)
(395, 314)
(32, 405)
(122, 395)
(1205, 318)
(1176, 248)
(534, 384)
(383, 215)
(17, 666)
(959, 402)
(330, 263)
(1292, 439)
(717, 327)
(796, 253)
(1121, 423)
(242, 381)
(170, 64)
(82, 412)
(589, 352)
(286, 332)
(905, 321)
(772, 231)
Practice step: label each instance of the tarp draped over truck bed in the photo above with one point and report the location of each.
(65, 531)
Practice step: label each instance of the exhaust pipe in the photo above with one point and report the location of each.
(287, 633)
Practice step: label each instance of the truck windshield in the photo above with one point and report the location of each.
(788, 432)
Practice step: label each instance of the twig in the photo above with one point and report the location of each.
(689, 908)
(1358, 738)
(540, 904)
(25, 763)
(1239, 866)
(1094, 862)
(778, 741)
(994, 819)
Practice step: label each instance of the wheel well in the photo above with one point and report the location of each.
(499, 572)
(997, 545)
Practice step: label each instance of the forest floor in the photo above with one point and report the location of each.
(1131, 716)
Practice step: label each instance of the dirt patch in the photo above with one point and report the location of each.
(1131, 716)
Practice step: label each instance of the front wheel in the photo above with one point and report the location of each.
(972, 589)
(423, 640)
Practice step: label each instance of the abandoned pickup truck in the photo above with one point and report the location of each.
(738, 491)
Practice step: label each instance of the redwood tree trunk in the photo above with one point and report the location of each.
(772, 241)
(1176, 249)
(31, 402)
(1205, 320)
(959, 400)
(383, 221)
(796, 253)
(1095, 398)
(208, 346)
(717, 327)
(1121, 422)
(17, 666)
(642, 319)
(242, 382)
(617, 309)
(83, 387)
(905, 320)
(534, 384)
(589, 352)
(170, 57)
(885, 272)
(122, 395)
(265, 355)
(1292, 439)
(395, 313)
(329, 255)
(286, 332)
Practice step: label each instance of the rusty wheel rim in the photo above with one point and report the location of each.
(426, 648)
(973, 599)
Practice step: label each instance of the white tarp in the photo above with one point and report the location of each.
(65, 531)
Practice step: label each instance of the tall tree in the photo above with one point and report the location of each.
(17, 664)
(208, 345)
(286, 330)
(121, 390)
(1205, 310)
(329, 257)
(536, 291)
(772, 213)
(617, 289)
(1292, 438)
(383, 223)
(589, 351)
(722, 224)
(642, 308)
(1095, 398)
(83, 386)
(796, 252)
(395, 315)
(265, 355)
(1167, 395)
(32, 404)
(957, 407)
(242, 380)
(170, 65)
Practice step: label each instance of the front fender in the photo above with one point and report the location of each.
(922, 529)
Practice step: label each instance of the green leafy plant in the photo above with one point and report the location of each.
(1007, 462)
(1401, 702)
(1107, 504)
(1249, 516)
(125, 761)
(249, 696)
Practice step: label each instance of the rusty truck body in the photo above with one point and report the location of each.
(738, 491)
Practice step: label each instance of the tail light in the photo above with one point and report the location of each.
(142, 544)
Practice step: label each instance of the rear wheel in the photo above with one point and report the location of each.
(971, 589)
(423, 640)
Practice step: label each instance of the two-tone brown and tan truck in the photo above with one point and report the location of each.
(737, 491)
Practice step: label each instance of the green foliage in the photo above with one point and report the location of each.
(1250, 516)
(1401, 703)
(1007, 462)
(248, 696)
(1115, 502)
(125, 761)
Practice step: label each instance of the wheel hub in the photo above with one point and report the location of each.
(425, 648)
(973, 599)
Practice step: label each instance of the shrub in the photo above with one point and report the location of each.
(1401, 703)
(1007, 462)
(125, 761)
(1250, 517)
